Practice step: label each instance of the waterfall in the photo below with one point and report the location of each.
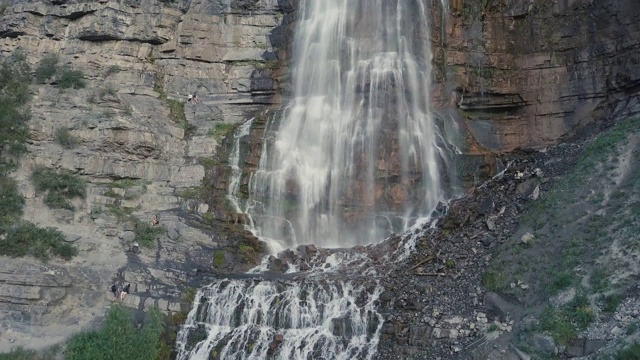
(252, 319)
(357, 153)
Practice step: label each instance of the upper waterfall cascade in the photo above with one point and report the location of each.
(356, 155)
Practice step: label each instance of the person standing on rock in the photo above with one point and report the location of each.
(115, 289)
(125, 291)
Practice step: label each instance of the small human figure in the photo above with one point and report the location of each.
(115, 289)
(155, 220)
(195, 98)
(124, 291)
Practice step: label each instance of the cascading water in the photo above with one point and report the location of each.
(357, 153)
(355, 156)
(250, 319)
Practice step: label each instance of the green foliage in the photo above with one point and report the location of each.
(189, 294)
(560, 281)
(47, 68)
(11, 201)
(450, 264)
(59, 186)
(110, 89)
(25, 239)
(65, 139)
(611, 302)
(220, 130)
(113, 69)
(563, 324)
(495, 280)
(632, 352)
(23, 354)
(176, 114)
(558, 326)
(218, 258)
(15, 76)
(119, 338)
(147, 234)
(70, 78)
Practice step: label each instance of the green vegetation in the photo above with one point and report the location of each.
(495, 280)
(23, 354)
(189, 294)
(59, 186)
(47, 68)
(11, 202)
(70, 78)
(632, 352)
(112, 70)
(120, 339)
(565, 323)
(65, 77)
(176, 107)
(147, 234)
(220, 130)
(450, 264)
(65, 139)
(218, 258)
(15, 76)
(26, 238)
(21, 238)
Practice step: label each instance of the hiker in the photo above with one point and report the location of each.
(115, 289)
(155, 220)
(125, 291)
(195, 98)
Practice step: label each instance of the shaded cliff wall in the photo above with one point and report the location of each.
(524, 73)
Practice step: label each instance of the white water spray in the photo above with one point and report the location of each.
(357, 152)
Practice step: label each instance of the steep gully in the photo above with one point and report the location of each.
(356, 156)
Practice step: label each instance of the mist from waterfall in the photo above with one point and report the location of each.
(356, 155)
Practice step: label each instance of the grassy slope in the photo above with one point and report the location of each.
(585, 231)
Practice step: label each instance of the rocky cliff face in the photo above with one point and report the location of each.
(524, 73)
(519, 73)
(136, 140)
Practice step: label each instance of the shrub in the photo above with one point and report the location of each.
(70, 78)
(11, 201)
(15, 76)
(23, 354)
(119, 338)
(65, 139)
(630, 353)
(25, 239)
(59, 186)
(221, 130)
(113, 69)
(47, 68)
(146, 234)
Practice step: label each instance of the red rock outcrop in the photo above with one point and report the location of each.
(524, 73)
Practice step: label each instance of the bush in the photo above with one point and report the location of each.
(22, 354)
(47, 68)
(630, 353)
(11, 201)
(25, 239)
(119, 338)
(15, 76)
(146, 234)
(59, 186)
(65, 139)
(70, 78)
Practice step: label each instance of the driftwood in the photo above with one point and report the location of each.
(431, 274)
(421, 263)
